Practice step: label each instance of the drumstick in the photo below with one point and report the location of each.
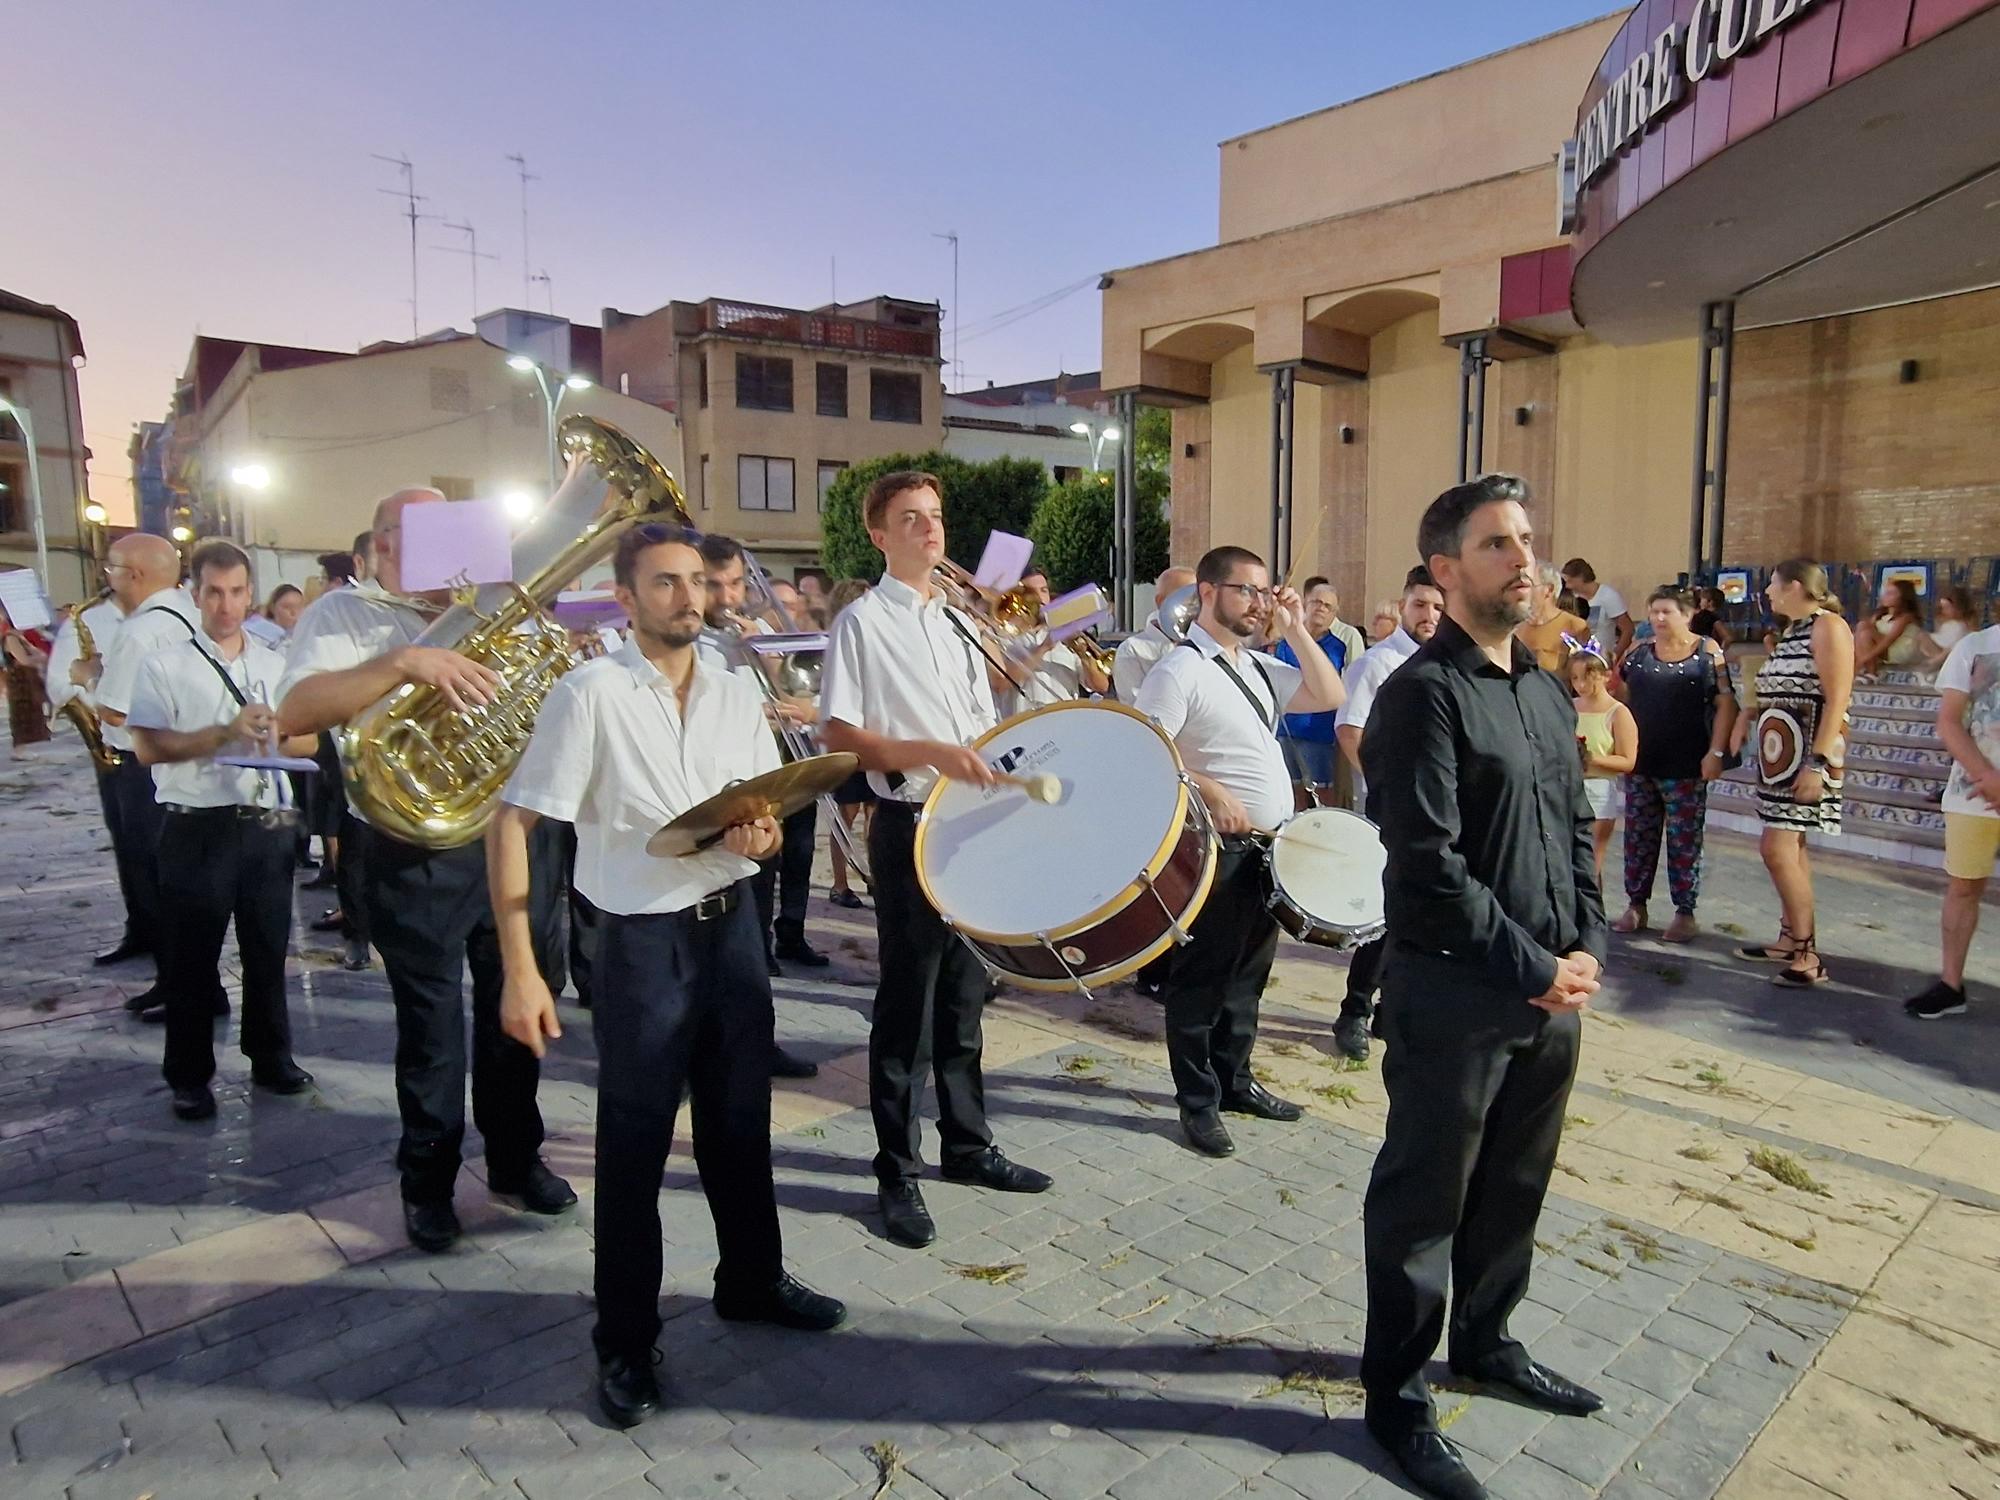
(1041, 787)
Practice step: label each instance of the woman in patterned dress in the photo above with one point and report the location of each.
(1801, 746)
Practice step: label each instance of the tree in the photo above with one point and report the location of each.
(1073, 530)
(1001, 494)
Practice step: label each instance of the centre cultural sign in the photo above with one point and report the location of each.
(1656, 85)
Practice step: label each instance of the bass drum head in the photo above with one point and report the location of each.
(1328, 863)
(1003, 867)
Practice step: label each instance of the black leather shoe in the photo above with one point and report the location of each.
(194, 1104)
(1431, 1462)
(989, 1169)
(539, 1189)
(627, 1389)
(126, 949)
(904, 1216)
(1206, 1132)
(432, 1227)
(354, 956)
(1261, 1102)
(145, 1000)
(1350, 1036)
(280, 1075)
(790, 1065)
(155, 1014)
(771, 966)
(1540, 1387)
(330, 920)
(789, 1303)
(799, 951)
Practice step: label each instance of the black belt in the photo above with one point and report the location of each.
(269, 816)
(897, 805)
(718, 904)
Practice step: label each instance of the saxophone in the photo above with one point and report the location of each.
(80, 714)
(429, 774)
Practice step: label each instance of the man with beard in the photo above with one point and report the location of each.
(1221, 705)
(1496, 937)
(682, 1002)
(1417, 620)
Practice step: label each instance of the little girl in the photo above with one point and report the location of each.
(1607, 736)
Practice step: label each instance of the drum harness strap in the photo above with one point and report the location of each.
(1268, 717)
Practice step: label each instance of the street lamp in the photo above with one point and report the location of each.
(96, 514)
(251, 476)
(27, 425)
(518, 504)
(552, 394)
(249, 479)
(1098, 436)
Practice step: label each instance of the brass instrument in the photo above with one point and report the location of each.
(429, 774)
(1178, 612)
(1093, 651)
(89, 728)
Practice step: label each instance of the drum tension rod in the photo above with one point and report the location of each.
(992, 970)
(1181, 935)
(1074, 978)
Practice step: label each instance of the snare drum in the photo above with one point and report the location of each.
(1325, 867)
(1087, 889)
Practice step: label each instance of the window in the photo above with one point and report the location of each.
(829, 470)
(452, 486)
(704, 379)
(13, 498)
(832, 390)
(704, 481)
(763, 382)
(895, 398)
(763, 483)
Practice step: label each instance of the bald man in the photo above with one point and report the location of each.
(1138, 652)
(428, 910)
(144, 572)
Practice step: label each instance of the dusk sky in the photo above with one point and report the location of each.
(206, 166)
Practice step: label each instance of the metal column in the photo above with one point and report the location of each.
(1125, 512)
(1283, 411)
(1711, 432)
(1472, 363)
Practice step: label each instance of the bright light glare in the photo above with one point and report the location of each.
(251, 476)
(183, 533)
(1111, 434)
(577, 382)
(95, 513)
(1081, 429)
(519, 504)
(520, 362)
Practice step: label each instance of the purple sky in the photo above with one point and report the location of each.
(205, 166)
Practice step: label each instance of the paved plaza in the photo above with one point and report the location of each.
(1773, 1245)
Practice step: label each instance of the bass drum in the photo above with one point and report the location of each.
(1086, 889)
(1325, 868)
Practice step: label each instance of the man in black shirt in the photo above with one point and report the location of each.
(1497, 936)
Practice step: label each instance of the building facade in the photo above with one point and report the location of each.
(335, 433)
(1035, 419)
(1390, 303)
(40, 349)
(774, 402)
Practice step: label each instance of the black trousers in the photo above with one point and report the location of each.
(223, 864)
(928, 1008)
(134, 820)
(1217, 980)
(583, 922)
(1477, 1086)
(350, 884)
(431, 919)
(784, 883)
(683, 1008)
(1364, 978)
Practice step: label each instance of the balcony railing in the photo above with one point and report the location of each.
(751, 320)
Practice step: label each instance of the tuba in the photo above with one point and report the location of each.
(427, 773)
(89, 728)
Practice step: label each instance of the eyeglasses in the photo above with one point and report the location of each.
(1249, 592)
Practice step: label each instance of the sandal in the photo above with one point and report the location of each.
(1793, 977)
(1634, 919)
(1774, 953)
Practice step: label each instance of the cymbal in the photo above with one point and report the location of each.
(775, 794)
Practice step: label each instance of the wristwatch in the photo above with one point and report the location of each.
(1819, 762)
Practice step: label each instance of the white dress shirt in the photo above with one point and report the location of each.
(165, 619)
(178, 689)
(613, 754)
(897, 665)
(102, 619)
(1137, 655)
(1058, 678)
(1364, 678)
(346, 628)
(1212, 722)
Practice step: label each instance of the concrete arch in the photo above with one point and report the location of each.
(1371, 309)
(1204, 340)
